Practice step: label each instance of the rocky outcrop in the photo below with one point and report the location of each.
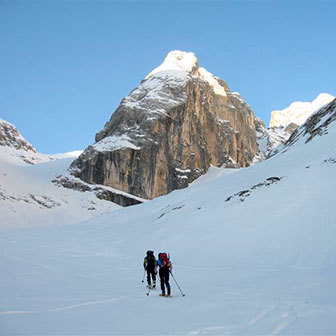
(10, 136)
(270, 139)
(284, 123)
(169, 130)
(103, 193)
(15, 145)
(317, 124)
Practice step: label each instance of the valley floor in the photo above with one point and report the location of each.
(63, 282)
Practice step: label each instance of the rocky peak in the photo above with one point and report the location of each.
(15, 147)
(11, 137)
(177, 60)
(169, 130)
(298, 112)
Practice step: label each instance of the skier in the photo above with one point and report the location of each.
(150, 265)
(165, 268)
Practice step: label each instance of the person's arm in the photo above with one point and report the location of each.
(155, 267)
(145, 263)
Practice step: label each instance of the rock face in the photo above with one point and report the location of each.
(10, 137)
(169, 130)
(269, 139)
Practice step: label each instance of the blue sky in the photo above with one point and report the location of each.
(66, 65)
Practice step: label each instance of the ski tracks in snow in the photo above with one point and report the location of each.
(78, 305)
(276, 318)
(271, 320)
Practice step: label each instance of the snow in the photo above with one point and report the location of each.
(28, 198)
(183, 170)
(262, 264)
(114, 142)
(210, 78)
(177, 60)
(299, 112)
(157, 94)
(180, 64)
(72, 154)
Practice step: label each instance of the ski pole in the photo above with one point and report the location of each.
(143, 278)
(150, 287)
(176, 284)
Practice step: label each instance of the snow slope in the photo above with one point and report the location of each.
(254, 252)
(29, 198)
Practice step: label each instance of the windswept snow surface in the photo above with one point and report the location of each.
(253, 251)
(29, 198)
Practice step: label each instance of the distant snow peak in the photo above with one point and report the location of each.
(298, 112)
(177, 60)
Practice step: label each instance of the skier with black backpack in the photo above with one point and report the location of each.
(150, 265)
(165, 268)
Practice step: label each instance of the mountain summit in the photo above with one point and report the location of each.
(169, 130)
(298, 112)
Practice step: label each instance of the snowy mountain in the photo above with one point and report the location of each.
(253, 251)
(283, 123)
(28, 197)
(169, 130)
(298, 112)
(15, 147)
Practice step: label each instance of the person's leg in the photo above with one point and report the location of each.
(154, 278)
(162, 282)
(167, 282)
(148, 277)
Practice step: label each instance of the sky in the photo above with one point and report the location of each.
(66, 65)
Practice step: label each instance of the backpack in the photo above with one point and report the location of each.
(164, 260)
(151, 262)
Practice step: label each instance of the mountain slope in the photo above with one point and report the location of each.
(253, 251)
(14, 147)
(27, 195)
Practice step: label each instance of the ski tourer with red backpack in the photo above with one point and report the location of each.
(165, 268)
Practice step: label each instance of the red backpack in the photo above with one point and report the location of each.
(164, 260)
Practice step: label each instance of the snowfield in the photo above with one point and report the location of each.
(253, 250)
(28, 198)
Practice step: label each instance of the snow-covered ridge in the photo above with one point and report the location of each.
(211, 79)
(11, 137)
(15, 149)
(186, 62)
(298, 112)
(177, 60)
(317, 124)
